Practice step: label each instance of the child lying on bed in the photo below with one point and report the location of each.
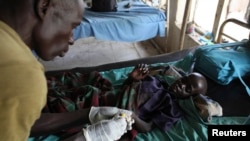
(70, 99)
(156, 101)
(152, 100)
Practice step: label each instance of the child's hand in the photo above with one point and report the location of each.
(139, 72)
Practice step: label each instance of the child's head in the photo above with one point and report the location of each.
(192, 84)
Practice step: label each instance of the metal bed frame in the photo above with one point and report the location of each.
(232, 20)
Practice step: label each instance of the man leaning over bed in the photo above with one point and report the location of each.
(45, 27)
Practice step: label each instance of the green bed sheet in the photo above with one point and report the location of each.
(190, 128)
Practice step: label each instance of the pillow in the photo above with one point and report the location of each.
(224, 62)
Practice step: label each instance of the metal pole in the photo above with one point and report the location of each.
(184, 23)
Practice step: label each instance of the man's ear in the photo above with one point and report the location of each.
(41, 7)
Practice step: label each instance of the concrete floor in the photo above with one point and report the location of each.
(92, 52)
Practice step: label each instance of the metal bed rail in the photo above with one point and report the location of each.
(221, 30)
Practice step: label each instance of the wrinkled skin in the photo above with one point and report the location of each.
(53, 37)
(45, 26)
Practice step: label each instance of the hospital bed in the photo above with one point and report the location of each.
(233, 97)
(137, 23)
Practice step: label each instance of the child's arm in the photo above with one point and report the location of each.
(140, 125)
(138, 73)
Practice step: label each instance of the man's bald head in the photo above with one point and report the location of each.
(45, 26)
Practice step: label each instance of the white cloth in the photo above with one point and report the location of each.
(97, 114)
(106, 130)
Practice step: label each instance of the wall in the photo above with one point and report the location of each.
(170, 43)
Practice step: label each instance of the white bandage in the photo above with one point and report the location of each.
(106, 130)
(97, 114)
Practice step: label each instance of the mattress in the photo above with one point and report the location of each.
(232, 97)
(137, 23)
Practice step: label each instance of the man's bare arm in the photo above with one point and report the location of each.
(50, 123)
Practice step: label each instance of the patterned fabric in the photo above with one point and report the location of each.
(69, 91)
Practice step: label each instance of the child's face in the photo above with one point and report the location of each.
(189, 85)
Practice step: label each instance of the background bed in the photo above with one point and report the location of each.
(137, 23)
